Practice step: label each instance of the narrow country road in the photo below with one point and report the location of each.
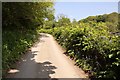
(46, 60)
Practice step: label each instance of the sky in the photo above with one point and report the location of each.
(80, 10)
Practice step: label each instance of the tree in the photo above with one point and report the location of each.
(74, 22)
(26, 14)
(63, 20)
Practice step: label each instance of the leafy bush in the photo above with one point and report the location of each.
(43, 30)
(92, 46)
(14, 44)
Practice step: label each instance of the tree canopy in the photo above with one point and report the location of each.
(23, 15)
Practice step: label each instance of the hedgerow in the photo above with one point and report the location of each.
(93, 48)
(15, 44)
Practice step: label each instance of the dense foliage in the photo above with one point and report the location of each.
(25, 14)
(94, 47)
(112, 20)
(20, 24)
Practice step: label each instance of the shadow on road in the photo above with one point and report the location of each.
(29, 68)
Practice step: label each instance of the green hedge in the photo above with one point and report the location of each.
(92, 46)
(14, 44)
